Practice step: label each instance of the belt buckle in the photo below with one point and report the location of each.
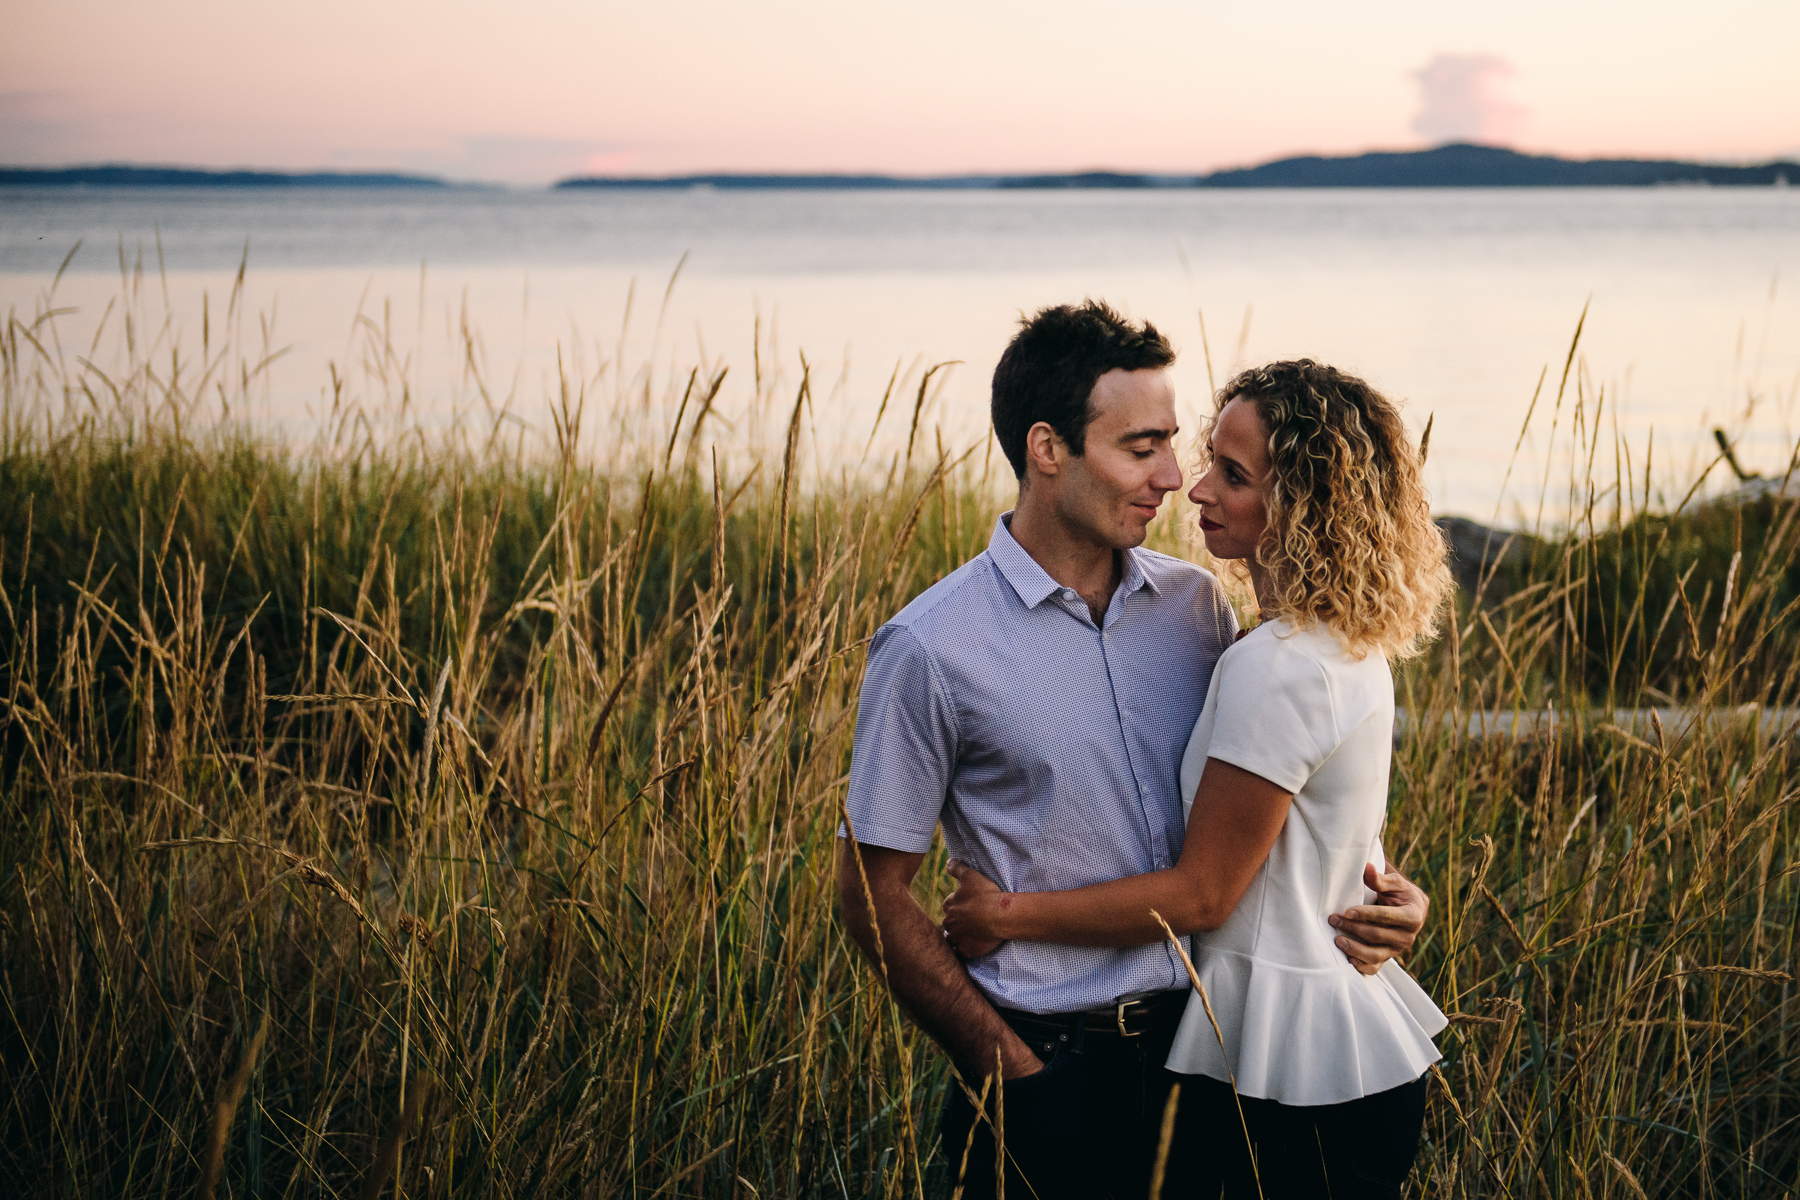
(1119, 1008)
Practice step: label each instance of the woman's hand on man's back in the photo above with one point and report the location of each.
(969, 911)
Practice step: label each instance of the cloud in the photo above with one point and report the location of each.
(1462, 98)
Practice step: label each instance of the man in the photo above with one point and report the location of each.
(1037, 702)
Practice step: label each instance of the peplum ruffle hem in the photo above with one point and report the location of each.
(1305, 1035)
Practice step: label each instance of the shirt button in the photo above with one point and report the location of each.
(1068, 593)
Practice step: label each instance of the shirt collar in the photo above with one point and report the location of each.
(1033, 583)
(1135, 575)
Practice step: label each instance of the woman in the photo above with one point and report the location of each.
(1313, 487)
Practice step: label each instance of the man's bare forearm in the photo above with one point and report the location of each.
(919, 967)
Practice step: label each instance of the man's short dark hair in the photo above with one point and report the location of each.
(1049, 370)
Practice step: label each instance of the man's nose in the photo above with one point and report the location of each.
(1168, 473)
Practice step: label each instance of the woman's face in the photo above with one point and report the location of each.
(1233, 493)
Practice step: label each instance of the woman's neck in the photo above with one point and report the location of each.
(1261, 585)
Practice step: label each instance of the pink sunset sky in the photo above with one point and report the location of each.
(532, 90)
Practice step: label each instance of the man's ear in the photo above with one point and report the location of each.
(1044, 450)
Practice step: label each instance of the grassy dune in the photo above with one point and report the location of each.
(428, 811)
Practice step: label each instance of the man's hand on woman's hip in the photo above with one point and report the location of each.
(1371, 934)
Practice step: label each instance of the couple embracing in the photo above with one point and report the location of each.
(1103, 747)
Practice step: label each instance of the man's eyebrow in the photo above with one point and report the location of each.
(1134, 435)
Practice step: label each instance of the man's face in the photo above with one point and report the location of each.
(1112, 490)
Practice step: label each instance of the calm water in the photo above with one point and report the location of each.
(1454, 301)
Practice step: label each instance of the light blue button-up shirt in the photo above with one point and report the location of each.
(1048, 746)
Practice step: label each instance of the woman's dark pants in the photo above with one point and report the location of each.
(1359, 1150)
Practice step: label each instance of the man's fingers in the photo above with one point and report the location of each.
(1389, 882)
(957, 868)
(1395, 884)
(1364, 957)
(1390, 916)
(1385, 937)
(1370, 934)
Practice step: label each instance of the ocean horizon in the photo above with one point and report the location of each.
(1457, 302)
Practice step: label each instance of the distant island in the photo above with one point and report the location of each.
(1456, 165)
(130, 176)
(736, 182)
(1465, 165)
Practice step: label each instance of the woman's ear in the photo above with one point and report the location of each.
(1044, 450)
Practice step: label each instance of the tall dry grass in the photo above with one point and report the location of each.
(426, 810)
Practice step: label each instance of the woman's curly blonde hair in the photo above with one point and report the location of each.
(1350, 543)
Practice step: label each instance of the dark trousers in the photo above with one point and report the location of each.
(1083, 1128)
(1087, 1126)
(1360, 1150)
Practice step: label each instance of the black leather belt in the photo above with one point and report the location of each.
(1129, 1016)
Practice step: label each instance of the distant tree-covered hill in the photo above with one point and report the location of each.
(1457, 165)
(1464, 165)
(132, 176)
(752, 182)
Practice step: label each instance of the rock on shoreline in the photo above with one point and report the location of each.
(1478, 550)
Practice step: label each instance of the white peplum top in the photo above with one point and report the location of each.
(1300, 1024)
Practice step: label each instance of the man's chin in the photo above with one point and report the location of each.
(1132, 536)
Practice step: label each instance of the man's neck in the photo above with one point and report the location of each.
(1092, 569)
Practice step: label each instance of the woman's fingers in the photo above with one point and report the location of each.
(967, 942)
(968, 878)
(963, 911)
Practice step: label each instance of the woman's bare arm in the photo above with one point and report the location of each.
(1235, 820)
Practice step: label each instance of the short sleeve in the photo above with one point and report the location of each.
(905, 748)
(1275, 714)
(1224, 616)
